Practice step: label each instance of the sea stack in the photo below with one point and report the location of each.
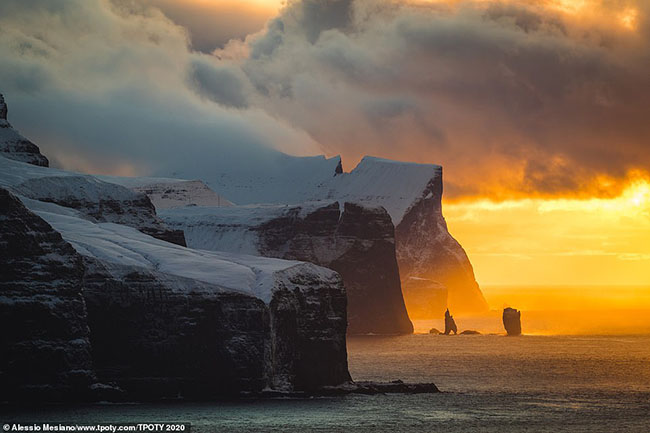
(450, 324)
(512, 321)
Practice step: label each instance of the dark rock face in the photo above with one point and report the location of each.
(357, 243)
(101, 202)
(307, 332)
(371, 388)
(427, 252)
(338, 169)
(450, 324)
(158, 336)
(512, 321)
(3, 108)
(15, 146)
(150, 335)
(44, 345)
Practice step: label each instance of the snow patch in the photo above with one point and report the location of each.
(126, 246)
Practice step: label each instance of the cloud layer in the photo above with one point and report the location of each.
(114, 88)
(514, 98)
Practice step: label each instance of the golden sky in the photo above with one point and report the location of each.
(560, 242)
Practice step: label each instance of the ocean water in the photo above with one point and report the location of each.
(490, 383)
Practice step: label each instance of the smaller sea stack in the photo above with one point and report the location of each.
(512, 321)
(450, 324)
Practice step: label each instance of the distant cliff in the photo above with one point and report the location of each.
(355, 240)
(434, 269)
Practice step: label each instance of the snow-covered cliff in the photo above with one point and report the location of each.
(434, 268)
(15, 146)
(170, 193)
(87, 267)
(355, 240)
(267, 322)
(96, 200)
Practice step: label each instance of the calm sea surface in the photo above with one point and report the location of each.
(491, 383)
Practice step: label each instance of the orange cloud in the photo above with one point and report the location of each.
(515, 99)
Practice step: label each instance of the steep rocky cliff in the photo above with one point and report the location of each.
(168, 321)
(179, 337)
(86, 295)
(154, 319)
(44, 345)
(15, 146)
(101, 202)
(307, 330)
(161, 336)
(97, 200)
(432, 264)
(434, 269)
(356, 241)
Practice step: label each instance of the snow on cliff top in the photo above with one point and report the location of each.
(172, 193)
(127, 246)
(54, 183)
(13, 172)
(280, 178)
(123, 245)
(394, 185)
(230, 228)
(45, 182)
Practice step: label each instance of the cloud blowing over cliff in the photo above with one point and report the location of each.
(514, 98)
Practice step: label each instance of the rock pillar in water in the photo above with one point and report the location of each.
(512, 321)
(450, 324)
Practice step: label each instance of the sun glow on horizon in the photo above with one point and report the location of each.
(557, 241)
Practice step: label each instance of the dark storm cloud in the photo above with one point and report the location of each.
(113, 87)
(318, 16)
(498, 92)
(220, 84)
(513, 98)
